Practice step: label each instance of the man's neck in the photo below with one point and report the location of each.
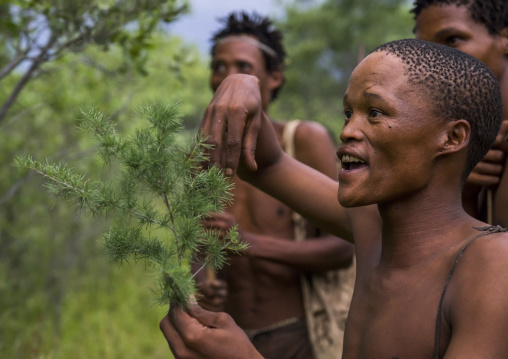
(415, 230)
(503, 83)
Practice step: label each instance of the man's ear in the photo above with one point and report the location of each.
(455, 137)
(275, 79)
(504, 39)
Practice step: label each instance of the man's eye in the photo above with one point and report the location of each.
(244, 67)
(219, 68)
(348, 114)
(375, 113)
(452, 41)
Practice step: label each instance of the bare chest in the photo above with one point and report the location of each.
(393, 318)
(257, 212)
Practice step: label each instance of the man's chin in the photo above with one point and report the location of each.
(352, 201)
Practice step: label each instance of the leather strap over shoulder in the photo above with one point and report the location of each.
(288, 137)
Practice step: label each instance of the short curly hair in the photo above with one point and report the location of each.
(263, 30)
(458, 86)
(491, 13)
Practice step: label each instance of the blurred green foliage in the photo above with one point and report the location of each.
(45, 249)
(325, 40)
(59, 296)
(34, 32)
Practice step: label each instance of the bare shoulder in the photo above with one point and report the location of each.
(488, 251)
(307, 132)
(477, 305)
(315, 147)
(483, 263)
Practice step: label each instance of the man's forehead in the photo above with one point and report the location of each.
(379, 75)
(438, 21)
(248, 39)
(379, 66)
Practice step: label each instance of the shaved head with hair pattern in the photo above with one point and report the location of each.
(458, 86)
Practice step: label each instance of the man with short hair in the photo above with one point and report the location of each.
(432, 283)
(263, 292)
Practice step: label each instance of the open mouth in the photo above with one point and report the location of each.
(350, 163)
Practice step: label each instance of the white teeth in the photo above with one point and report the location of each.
(349, 159)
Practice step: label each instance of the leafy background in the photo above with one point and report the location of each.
(59, 295)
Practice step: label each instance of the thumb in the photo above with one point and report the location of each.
(207, 318)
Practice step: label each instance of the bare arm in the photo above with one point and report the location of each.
(307, 191)
(501, 199)
(501, 195)
(314, 147)
(244, 140)
(316, 255)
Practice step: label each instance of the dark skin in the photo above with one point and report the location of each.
(453, 26)
(262, 287)
(411, 166)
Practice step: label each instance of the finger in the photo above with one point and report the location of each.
(213, 225)
(205, 291)
(494, 156)
(218, 229)
(204, 126)
(220, 295)
(503, 130)
(217, 303)
(219, 284)
(175, 342)
(250, 138)
(191, 331)
(207, 318)
(501, 142)
(234, 137)
(216, 133)
(489, 169)
(219, 216)
(482, 180)
(204, 132)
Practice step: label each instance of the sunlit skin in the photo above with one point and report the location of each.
(388, 124)
(453, 26)
(379, 109)
(401, 271)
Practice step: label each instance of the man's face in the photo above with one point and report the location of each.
(389, 136)
(453, 26)
(242, 57)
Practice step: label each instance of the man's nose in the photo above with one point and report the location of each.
(232, 70)
(351, 129)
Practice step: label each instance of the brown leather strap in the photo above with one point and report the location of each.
(485, 232)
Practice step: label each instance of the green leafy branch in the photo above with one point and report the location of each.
(158, 200)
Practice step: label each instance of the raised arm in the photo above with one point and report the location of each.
(244, 141)
(501, 195)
